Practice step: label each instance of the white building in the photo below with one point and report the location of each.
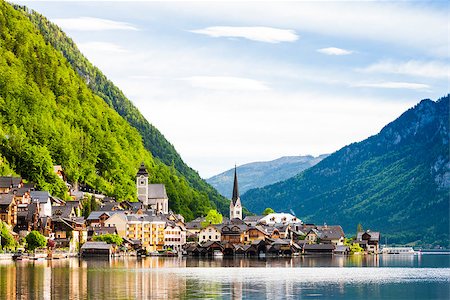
(44, 201)
(235, 203)
(209, 233)
(174, 237)
(279, 218)
(153, 196)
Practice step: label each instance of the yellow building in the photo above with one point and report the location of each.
(148, 229)
(8, 209)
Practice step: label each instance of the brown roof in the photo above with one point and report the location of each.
(330, 232)
(6, 199)
(96, 245)
(9, 181)
(318, 247)
(374, 235)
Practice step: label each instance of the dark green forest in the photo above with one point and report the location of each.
(49, 115)
(153, 140)
(396, 182)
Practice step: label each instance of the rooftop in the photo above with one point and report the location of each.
(96, 245)
(157, 191)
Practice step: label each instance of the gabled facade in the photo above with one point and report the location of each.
(256, 233)
(118, 220)
(174, 237)
(8, 209)
(234, 234)
(209, 233)
(369, 241)
(42, 198)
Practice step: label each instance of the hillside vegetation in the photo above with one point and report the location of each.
(396, 182)
(153, 140)
(49, 115)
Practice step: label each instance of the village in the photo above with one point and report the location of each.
(149, 227)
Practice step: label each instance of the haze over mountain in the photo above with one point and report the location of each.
(259, 174)
(59, 109)
(396, 182)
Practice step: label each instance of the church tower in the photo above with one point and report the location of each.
(235, 203)
(142, 185)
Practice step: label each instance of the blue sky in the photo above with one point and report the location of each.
(236, 82)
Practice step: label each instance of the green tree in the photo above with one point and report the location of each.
(93, 204)
(356, 248)
(213, 217)
(109, 238)
(7, 240)
(35, 240)
(267, 211)
(359, 228)
(86, 208)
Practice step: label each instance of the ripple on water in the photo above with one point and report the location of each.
(313, 275)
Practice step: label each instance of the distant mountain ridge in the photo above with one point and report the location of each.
(396, 182)
(259, 174)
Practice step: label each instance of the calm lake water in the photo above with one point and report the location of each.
(370, 277)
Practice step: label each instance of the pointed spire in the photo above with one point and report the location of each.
(235, 187)
(142, 170)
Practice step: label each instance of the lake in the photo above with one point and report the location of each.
(425, 276)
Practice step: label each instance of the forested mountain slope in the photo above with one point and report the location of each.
(49, 115)
(154, 141)
(396, 182)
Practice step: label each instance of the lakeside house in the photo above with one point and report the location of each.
(369, 241)
(96, 249)
(149, 225)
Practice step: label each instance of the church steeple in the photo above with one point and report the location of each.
(235, 203)
(142, 185)
(235, 187)
(142, 170)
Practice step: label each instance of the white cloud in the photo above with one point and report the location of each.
(259, 34)
(394, 85)
(102, 47)
(92, 24)
(405, 24)
(226, 83)
(431, 69)
(334, 51)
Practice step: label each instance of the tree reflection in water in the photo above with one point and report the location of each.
(186, 278)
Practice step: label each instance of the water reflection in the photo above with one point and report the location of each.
(181, 278)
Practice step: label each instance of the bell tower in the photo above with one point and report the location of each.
(235, 203)
(142, 185)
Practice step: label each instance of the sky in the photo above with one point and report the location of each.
(236, 82)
